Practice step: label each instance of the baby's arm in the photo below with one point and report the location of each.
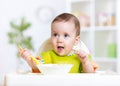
(86, 64)
(25, 54)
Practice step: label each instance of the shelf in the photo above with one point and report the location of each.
(73, 1)
(105, 12)
(82, 14)
(105, 28)
(105, 59)
(85, 29)
(99, 28)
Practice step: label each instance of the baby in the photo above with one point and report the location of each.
(65, 34)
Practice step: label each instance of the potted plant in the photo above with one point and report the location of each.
(17, 35)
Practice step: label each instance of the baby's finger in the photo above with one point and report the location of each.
(22, 50)
(81, 54)
(26, 54)
(38, 58)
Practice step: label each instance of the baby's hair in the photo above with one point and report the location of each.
(69, 17)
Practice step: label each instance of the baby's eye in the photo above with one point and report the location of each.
(55, 34)
(66, 35)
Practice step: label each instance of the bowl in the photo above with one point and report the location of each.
(54, 68)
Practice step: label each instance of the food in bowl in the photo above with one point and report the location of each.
(54, 68)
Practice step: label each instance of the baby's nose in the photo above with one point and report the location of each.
(60, 39)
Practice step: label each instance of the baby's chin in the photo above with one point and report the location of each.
(60, 54)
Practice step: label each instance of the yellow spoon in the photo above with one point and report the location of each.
(32, 57)
(35, 60)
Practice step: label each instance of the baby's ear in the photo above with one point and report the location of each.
(77, 40)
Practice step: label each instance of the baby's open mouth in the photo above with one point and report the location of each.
(60, 47)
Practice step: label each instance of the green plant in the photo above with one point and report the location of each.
(17, 37)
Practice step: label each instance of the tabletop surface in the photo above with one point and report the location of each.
(86, 79)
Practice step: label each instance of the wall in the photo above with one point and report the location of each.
(14, 10)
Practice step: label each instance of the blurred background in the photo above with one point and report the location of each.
(27, 22)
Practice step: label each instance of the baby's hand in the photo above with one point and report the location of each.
(25, 54)
(83, 56)
(86, 65)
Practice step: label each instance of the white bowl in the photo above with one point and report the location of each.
(54, 68)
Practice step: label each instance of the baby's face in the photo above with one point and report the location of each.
(63, 37)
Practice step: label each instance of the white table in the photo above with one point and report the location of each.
(62, 80)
